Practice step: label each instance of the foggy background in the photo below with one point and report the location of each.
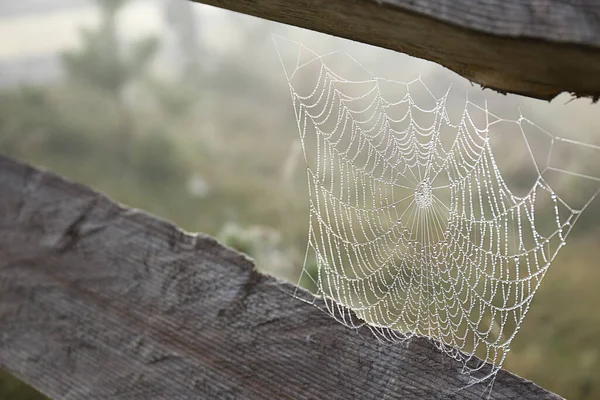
(183, 110)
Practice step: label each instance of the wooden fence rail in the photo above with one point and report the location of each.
(98, 301)
(537, 48)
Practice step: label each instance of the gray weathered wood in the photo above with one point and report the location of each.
(537, 48)
(98, 301)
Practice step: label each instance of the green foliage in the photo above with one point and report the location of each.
(310, 276)
(174, 99)
(156, 161)
(111, 6)
(239, 239)
(13, 389)
(28, 119)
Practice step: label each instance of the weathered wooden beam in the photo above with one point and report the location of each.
(537, 48)
(100, 301)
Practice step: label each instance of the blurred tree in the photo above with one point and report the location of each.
(104, 63)
(180, 15)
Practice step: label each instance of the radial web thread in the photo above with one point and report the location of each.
(413, 229)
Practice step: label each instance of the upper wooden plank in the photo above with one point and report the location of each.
(99, 301)
(571, 21)
(537, 48)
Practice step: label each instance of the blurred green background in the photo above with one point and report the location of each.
(183, 110)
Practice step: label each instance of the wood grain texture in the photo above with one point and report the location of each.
(537, 48)
(98, 301)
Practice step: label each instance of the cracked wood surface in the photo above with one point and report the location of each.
(538, 48)
(98, 301)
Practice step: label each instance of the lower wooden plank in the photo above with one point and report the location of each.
(98, 301)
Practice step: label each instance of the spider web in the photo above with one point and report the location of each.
(413, 229)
